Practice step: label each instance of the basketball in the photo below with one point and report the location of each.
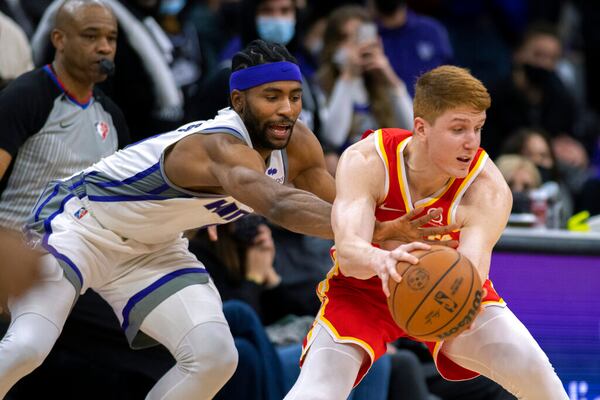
(437, 298)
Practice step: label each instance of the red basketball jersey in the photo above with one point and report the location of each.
(390, 144)
(355, 310)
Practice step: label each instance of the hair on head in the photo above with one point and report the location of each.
(260, 52)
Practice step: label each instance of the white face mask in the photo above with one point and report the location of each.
(276, 29)
(340, 57)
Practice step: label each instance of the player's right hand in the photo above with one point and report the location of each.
(387, 267)
(408, 228)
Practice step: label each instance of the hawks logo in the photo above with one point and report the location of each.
(102, 128)
(437, 220)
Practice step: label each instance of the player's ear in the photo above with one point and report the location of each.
(237, 100)
(419, 127)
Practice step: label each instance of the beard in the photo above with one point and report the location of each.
(258, 131)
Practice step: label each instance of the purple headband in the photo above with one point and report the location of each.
(264, 73)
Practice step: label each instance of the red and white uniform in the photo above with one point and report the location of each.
(356, 311)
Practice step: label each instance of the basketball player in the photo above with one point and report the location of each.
(389, 173)
(116, 226)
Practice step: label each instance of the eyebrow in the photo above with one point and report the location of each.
(458, 119)
(277, 90)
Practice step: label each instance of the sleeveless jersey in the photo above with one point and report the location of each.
(355, 310)
(390, 144)
(130, 194)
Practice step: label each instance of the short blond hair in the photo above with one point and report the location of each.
(509, 164)
(445, 88)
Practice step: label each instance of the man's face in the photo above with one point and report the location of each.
(453, 139)
(90, 37)
(543, 51)
(270, 111)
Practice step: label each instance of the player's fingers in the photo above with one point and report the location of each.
(212, 233)
(394, 273)
(438, 230)
(412, 246)
(412, 214)
(384, 284)
(427, 217)
(449, 243)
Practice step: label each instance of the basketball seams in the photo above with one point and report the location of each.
(457, 313)
(393, 294)
(432, 286)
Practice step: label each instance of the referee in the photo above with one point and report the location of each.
(54, 121)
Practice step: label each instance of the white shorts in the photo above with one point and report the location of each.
(132, 277)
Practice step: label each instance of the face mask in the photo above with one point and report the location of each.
(537, 76)
(275, 29)
(340, 57)
(171, 7)
(315, 49)
(545, 173)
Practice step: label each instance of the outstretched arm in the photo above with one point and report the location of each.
(224, 164)
(360, 182)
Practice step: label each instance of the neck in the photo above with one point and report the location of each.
(423, 177)
(77, 88)
(395, 20)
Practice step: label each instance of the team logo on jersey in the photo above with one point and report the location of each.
(102, 128)
(437, 220)
(82, 212)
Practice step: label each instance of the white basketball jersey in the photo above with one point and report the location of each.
(129, 193)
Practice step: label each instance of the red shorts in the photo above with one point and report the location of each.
(356, 311)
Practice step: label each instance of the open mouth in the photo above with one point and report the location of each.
(464, 159)
(280, 131)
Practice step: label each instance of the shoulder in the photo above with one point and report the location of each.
(424, 21)
(33, 87)
(303, 142)
(489, 190)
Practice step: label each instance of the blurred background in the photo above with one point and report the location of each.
(360, 60)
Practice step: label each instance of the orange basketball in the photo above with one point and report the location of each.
(439, 297)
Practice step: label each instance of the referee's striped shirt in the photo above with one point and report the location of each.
(50, 135)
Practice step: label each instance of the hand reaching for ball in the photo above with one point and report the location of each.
(388, 267)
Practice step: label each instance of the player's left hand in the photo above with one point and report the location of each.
(408, 228)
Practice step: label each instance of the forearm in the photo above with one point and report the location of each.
(356, 258)
(338, 114)
(403, 106)
(302, 212)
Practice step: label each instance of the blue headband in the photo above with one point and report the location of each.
(264, 73)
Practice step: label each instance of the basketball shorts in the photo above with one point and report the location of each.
(132, 277)
(355, 311)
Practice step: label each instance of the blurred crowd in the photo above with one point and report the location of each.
(360, 61)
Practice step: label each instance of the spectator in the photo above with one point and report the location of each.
(413, 43)
(360, 89)
(16, 53)
(270, 20)
(535, 145)
(533, 95)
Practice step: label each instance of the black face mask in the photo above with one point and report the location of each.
(521, 203)
(538, 76)
(387, 7)
(545, 173)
